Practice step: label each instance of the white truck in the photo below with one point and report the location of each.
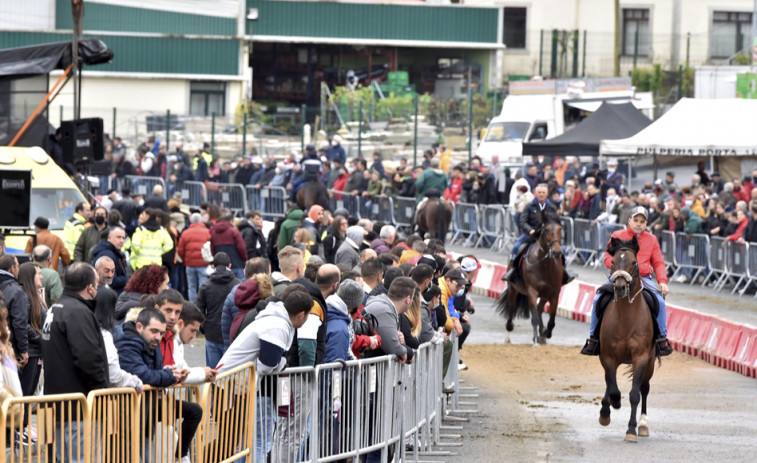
(534, 117)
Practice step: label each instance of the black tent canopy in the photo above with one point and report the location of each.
(610, 121)
(42, 59)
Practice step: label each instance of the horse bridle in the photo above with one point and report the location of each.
(629, 277)
(548, 254)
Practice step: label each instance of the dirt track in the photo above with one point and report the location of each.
(542, 404)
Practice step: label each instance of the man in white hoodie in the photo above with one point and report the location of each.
(264, 342)
(187, 327)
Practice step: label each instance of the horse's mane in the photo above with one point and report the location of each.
(548, 218)
(616, 244)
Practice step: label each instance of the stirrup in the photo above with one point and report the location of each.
(591, 347)
(663, 347)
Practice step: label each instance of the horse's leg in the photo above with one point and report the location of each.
(512, 297)
(535, 318)
(610, 386)
(643, 423)
(539, 315)
(634, 397)
(552, 312)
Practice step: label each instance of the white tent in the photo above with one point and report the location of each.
(694, 127)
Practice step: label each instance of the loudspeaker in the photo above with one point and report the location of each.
(82, 140)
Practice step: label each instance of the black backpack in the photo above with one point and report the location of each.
(365, 324)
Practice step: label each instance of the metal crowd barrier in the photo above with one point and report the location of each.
(115, 424)
(567, 238)
(228, 195)
(512, 231)
(668, 249)
(585, 240)
(104, 184)
(342, 199)
(751, 268)
(379, 208)
(273, 202)
(141, 185)
(160, 417)
(493, 227)
(691, 253)
(465, 218)
(63, 429)
(193, 194)
(404, 211)
(736, 258)
(716, 260)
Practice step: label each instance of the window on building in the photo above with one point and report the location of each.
(730, 33)
(635, 20)
(206, 98)
(515, 27)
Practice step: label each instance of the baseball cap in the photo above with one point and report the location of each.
(469, 264)
(640, 210)
(456, 275)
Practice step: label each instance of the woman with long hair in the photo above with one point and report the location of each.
(30, 278)
(410, 322)
(334, 236)
(150, 279)
(105, 315)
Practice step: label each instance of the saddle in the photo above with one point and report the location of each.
(607, 293)
(523, 250)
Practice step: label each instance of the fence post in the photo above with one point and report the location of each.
(541, 51)
(213, 132)
(553, 70)
(575, 52)
(680, 82)
(168, 128)
(470, 114)
(304, 121)
(688, 43)
(360, 130)
(635, 47)
(114, 123)
(415, 134)
(244, 134)
(583, 69)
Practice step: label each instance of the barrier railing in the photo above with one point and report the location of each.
(567, 238)
(140, 185)
(115, 424)
(342, 199)
(193, 194)
(492, 227)
(690, 258)
(585, 240)
(163, 412)
(274, 201)
(63, 429)
(404, 211)
(716, 261)
(465, 219)
(736, 256)
(377, 208)
(228, 195)
(668, 249)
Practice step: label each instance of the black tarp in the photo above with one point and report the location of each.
(42, 59)
(609, 122)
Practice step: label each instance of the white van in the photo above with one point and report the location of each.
(530, 118)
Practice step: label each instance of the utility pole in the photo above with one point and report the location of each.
(77, 11)
(616, 40)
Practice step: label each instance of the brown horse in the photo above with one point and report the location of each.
(627, 337)
(434, 218)
(312, 193)
(541, 280)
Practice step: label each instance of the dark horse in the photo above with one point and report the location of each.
(434, 218)
(541, 280)
(627, 336)
(310, 193)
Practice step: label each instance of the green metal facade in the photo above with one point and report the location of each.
(375, 21)
(104, 17)
(150, 54)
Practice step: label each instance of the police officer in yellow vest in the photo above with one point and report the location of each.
(149, 241)
(200, 163)
(74, 226)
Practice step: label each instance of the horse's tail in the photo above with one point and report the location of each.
(521, 304)
(501, 306)
(441, 223)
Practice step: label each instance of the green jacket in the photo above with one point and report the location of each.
(52, 284)
(693, 222)
(430, 178)
(87, 240)
(288, 227)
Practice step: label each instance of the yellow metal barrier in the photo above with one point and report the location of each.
(161, 417)
(114, 416)
(63, 429)
(229, 405)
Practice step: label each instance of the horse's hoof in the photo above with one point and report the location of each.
(643, 431)
(507, 340)
(604, 420)
(616, 404)
(542, 339)
(631, 438)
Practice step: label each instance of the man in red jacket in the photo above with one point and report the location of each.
(649, 258)
(190, 252)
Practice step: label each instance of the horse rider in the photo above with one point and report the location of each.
(649, 258)
(530, 221)
(311, 168)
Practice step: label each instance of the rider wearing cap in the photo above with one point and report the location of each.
(530, 221)
(649, 258)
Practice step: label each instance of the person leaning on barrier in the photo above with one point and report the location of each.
(530, 221)
(387, 309)
(187, 327)
(648, 259)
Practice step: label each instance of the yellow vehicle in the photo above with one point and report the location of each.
(54, 194)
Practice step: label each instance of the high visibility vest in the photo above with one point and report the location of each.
(148, 247)
(206, 156)
(72, 230)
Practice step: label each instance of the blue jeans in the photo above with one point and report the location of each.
(63, 445)
(238, 272)
(213, 353)
(265, 420)
(196, 276)
(662, 317)
(517, 245)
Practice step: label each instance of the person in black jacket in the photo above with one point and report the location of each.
(251, 229)
(138, 353)
(111, 247)
(73, 350)
(18, 307)
(210, 299)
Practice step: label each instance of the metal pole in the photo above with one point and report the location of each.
(213, 132)
(575, 52)
(680, 82)
(168, 128)
(494, 104)
(244, 134)
(61, 114)
(360, 131)
(754, 30)
(616, 40)
(583, 68)
(304, 121)
(470, 115)
(688, 44)
(541, 51)
(114, 123)
(415, 134)
(635, 47)
(553, 70)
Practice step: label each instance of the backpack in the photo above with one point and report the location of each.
(365, 324)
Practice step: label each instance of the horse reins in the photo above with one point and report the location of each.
(547, 251)
(629, 279)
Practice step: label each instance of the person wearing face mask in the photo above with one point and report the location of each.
(91, 236)
(73, 349)
(613, 178)
(336, 152)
